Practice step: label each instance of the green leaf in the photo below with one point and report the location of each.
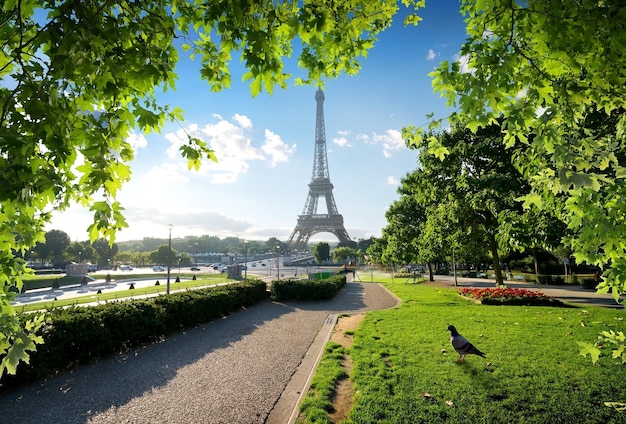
(17, 353)
(531, 199)
(9, 5)
(437, 149)
(591, 350)
(620, 406)
(618, 353)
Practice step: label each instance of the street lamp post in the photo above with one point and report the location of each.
(169, 258)
(245, 264)
(79, 253)
(195, 257)
(277, 262)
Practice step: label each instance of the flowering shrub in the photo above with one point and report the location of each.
(509, 296)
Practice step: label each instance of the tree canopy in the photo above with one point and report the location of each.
(463, 205)
(77, 79)
(321, 252)
(548, 69)
(345, 254)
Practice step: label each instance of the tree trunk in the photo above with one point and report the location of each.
(493, 246)
(454, 269)
(536, 259)
(430, 272)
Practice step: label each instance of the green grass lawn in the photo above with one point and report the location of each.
(404, 369)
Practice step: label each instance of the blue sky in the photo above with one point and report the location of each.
(265, 145)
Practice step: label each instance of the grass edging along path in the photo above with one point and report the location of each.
(404, 371)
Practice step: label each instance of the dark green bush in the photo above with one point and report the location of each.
(589, 283)
(82, 334)
(51, 281)
(307, 289)
(545, 279)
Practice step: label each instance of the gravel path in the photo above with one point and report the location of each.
(227, 371)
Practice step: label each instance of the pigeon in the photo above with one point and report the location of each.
(462, 345)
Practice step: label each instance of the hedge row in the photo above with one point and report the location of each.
(307, 289)
(79, 335)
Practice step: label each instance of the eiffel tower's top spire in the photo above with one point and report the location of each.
(320, 160)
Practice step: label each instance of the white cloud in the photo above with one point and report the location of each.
(276, 148)
(232, 141)
(137, 141)
(342, 141)
(189, 221)
(431, 55)
(364, 138)
(391, 180)
(391, 141)
(167, 172)
(243, 121)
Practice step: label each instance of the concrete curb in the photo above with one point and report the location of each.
(285, 411)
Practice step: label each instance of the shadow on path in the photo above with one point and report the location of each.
(199, 374)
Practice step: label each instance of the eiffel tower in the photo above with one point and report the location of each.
(310, 222)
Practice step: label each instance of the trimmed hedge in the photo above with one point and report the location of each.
(307, 289)
(78, 335)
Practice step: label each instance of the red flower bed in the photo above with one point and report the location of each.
(509, 296)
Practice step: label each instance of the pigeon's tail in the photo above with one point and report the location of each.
(470, 349)
(475, 351)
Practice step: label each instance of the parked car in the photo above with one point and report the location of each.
(158, 268)
(126, 268)
(194, 268)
